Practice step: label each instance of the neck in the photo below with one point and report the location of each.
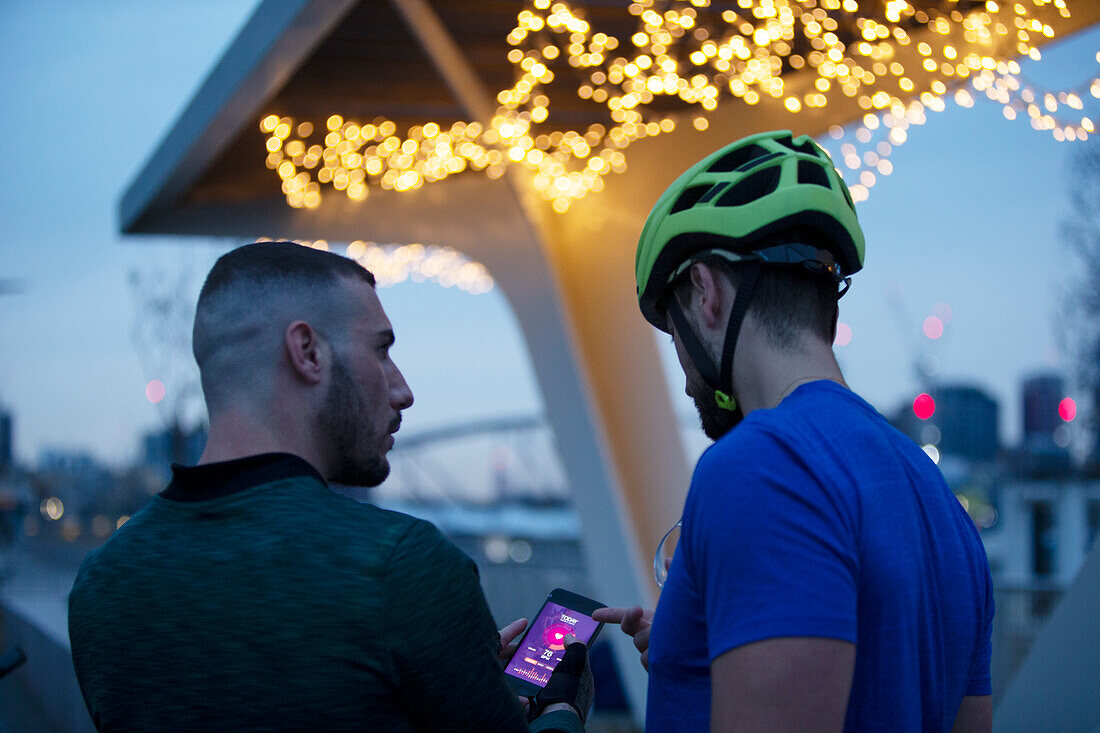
(237, 434)
(765, 374)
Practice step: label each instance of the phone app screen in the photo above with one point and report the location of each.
(544, 645)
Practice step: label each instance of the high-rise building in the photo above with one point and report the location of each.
(1045, 440)
(1042, 393)
(967, 420)
(6, 439)
(958, 419)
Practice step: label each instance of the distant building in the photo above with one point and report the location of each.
(77, 479)
(171, 445)
(1042, 393)
(1044, 530)
(967, 420)
(964, 423)
(1044, 451)
(6, 439)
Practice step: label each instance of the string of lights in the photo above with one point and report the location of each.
(391, 264)
(866, 146)
(690, 57)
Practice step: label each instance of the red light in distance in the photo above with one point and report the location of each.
(154, 391)
(1067, 409)
(933, 327)
(924, 406)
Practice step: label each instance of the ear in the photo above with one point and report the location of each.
(306, 351)
(710, 296)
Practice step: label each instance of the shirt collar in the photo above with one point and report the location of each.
(215, 480)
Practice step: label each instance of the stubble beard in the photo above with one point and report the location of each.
(341, 426)
(715, 421)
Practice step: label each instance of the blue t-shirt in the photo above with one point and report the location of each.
(819, 519)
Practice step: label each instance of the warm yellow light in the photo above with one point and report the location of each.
(692, 56)
(52, 508)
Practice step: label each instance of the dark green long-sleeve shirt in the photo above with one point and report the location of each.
(249, 596)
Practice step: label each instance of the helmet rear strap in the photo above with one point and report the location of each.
(745, 288)
(720, 381)
(706, 367)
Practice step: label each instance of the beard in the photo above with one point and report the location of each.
(342, 428)
(715, 421)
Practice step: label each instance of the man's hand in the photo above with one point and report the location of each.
(634, 621)
(509, 640)
(571, 684)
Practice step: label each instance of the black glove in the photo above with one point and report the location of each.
(570, 683)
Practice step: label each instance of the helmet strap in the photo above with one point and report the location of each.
(719, 380)
(845, 284)
(749, 275)
(708, 370)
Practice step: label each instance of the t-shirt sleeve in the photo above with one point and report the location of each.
(443, 639)
(773, 549)
(981, 681)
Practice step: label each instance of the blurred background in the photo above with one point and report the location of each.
(975, 328)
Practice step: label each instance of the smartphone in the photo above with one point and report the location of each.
(542, 647)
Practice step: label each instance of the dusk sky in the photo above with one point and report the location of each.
(970, 217)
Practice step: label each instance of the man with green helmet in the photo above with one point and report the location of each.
(826, 577)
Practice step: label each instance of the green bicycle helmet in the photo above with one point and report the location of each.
(734, 199)
(742, 203)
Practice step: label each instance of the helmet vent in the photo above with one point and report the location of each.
(806, 146)
(736, 158)
(752, 187)
(689, 198)
(810, 172)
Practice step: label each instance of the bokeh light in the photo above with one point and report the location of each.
(52, 508)
(154, 391)
(933, 327)
(924, 406)
(520, 551)
(496, 549)
(102, 526)
(696, 56)
(843, 334)
(1067, 409)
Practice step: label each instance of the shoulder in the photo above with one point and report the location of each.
(403, 542)
(757, 448)
(419, 548)
(126, 545)
(770, 472)
(313, 505)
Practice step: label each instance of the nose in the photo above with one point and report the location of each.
(401, 396)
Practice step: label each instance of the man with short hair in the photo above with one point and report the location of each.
(248, 595)
(826, 578)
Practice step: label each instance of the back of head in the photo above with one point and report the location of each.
(248, 299)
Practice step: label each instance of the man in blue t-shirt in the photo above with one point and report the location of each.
(826, 577)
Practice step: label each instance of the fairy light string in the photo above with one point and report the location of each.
(392, 263)
(688, 56)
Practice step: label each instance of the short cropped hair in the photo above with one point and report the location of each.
(250, 296)
(787, 301)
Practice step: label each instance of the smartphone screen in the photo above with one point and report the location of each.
(543, 646)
